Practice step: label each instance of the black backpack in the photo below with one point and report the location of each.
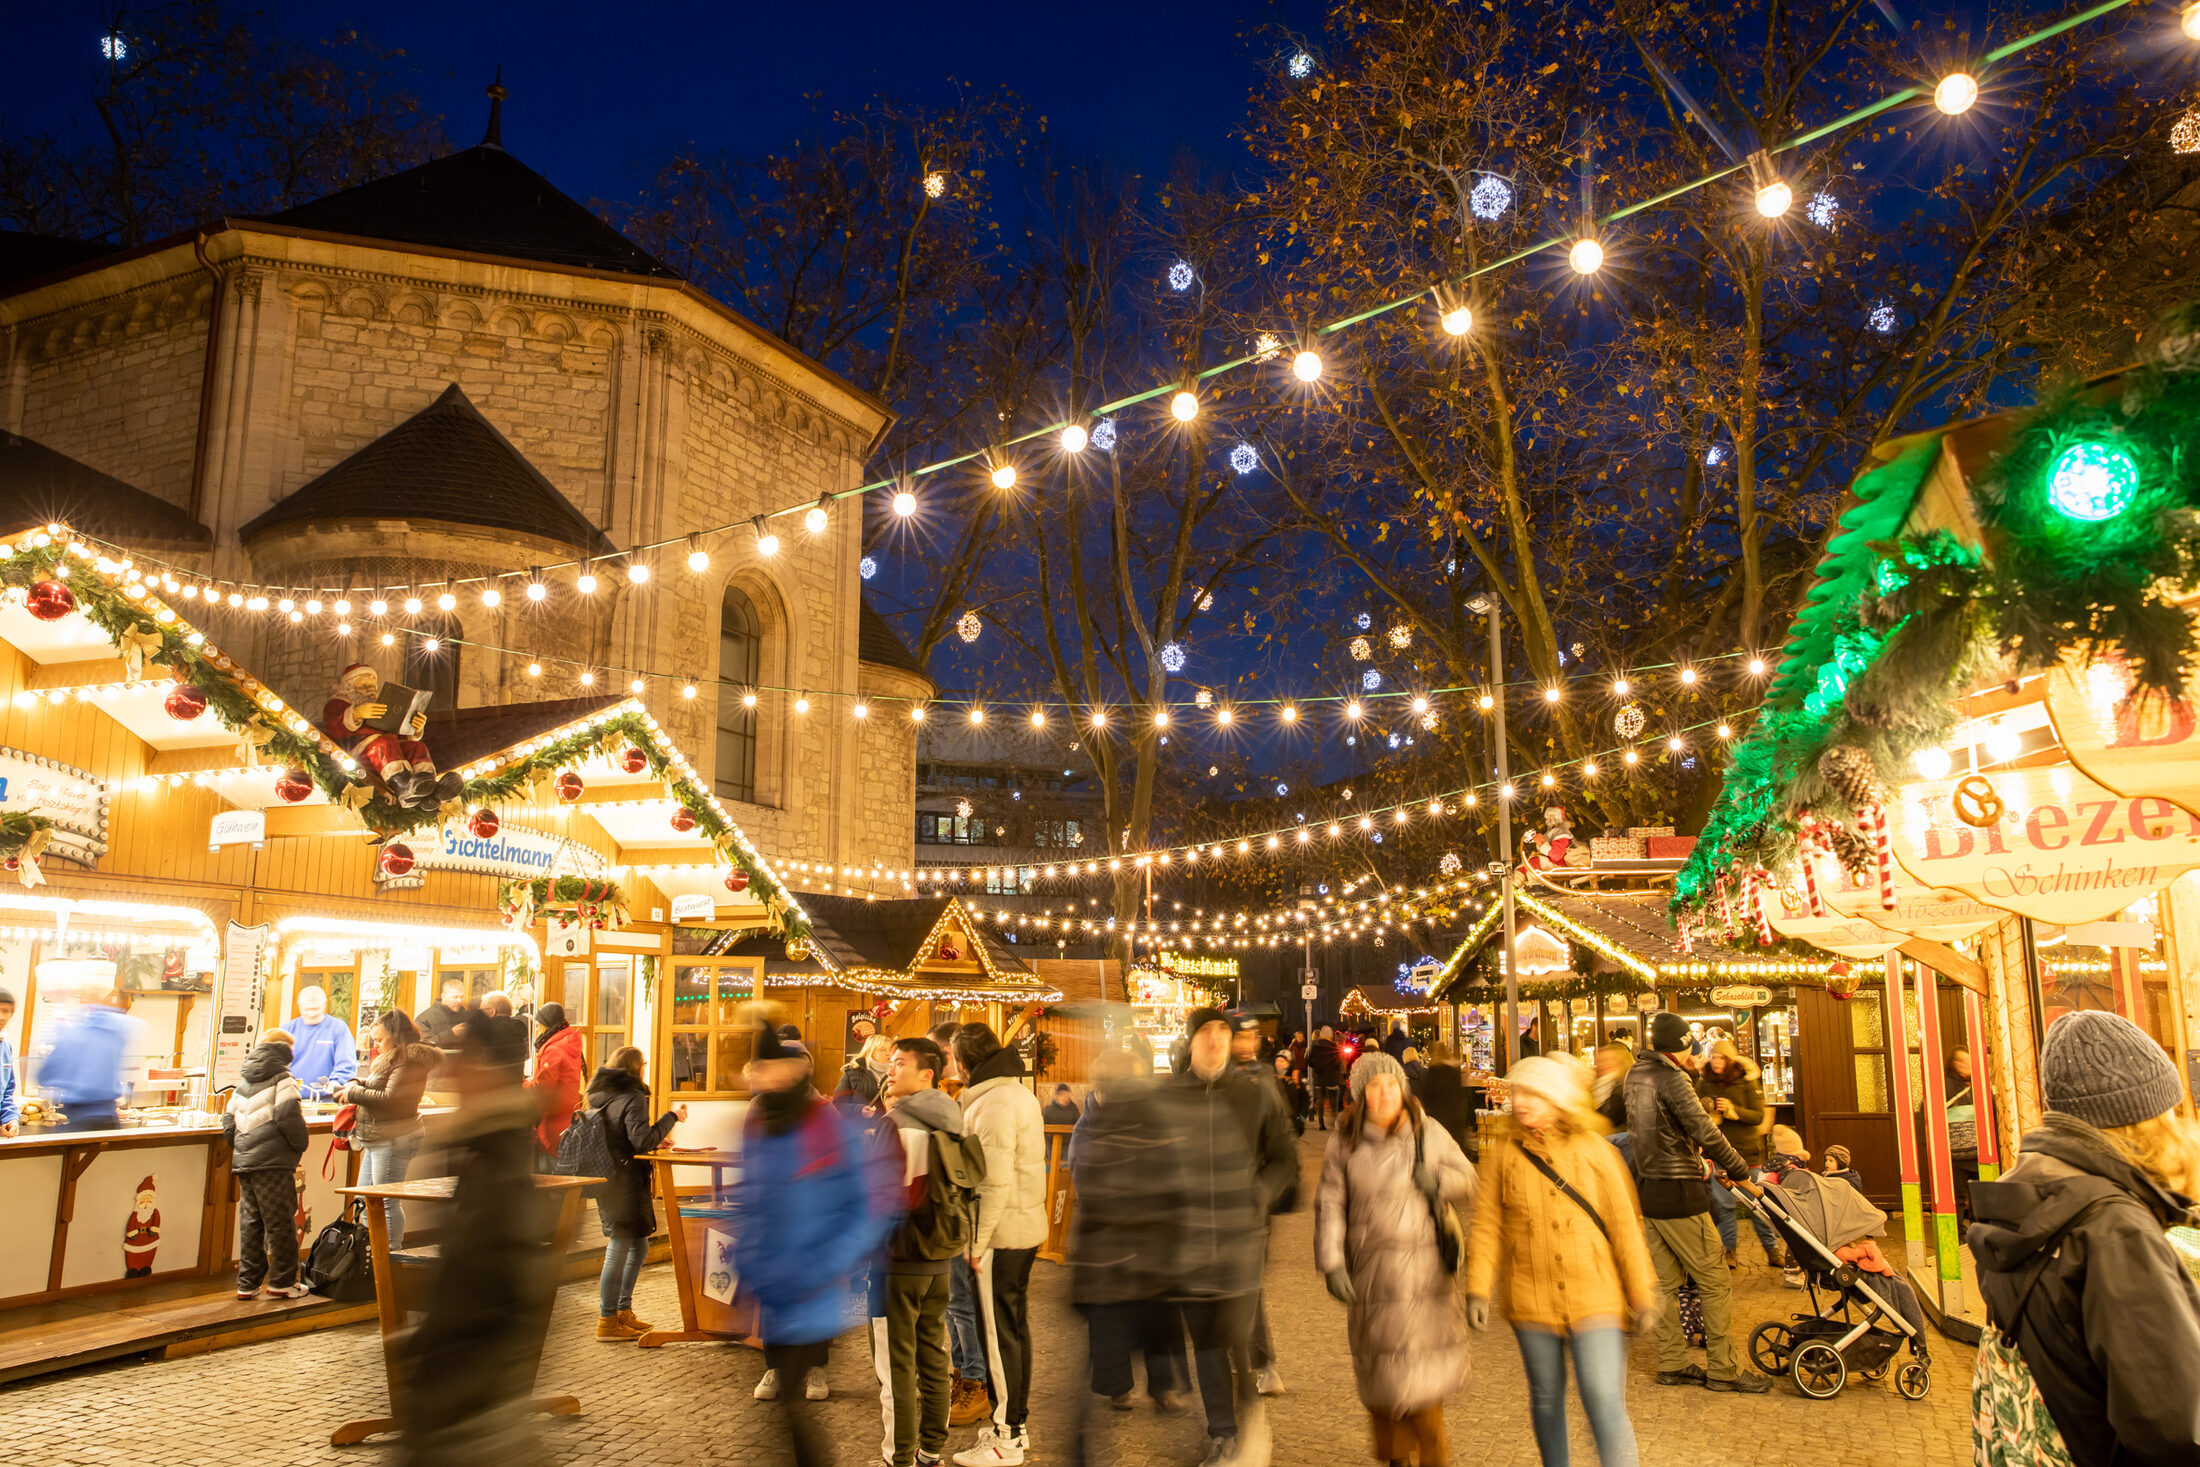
(584, 1150)
(339, 1265)
(945, 1224)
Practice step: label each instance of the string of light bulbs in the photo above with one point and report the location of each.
(1953, 95)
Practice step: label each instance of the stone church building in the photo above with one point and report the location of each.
(459, 371)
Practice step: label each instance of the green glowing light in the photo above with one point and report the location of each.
(2092, 481)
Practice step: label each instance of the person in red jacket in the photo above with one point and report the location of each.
(560, 1066)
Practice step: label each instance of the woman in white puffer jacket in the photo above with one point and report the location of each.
(1004, 1115)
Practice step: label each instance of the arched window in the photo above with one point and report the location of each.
(436, 671)
(740, 654)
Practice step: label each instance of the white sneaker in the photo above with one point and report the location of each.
(1266, 1382)
(997, 1447)
(295, 1291)
(815, 1389)
(767, 1389)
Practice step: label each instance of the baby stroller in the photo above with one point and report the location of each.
(1868, 1317)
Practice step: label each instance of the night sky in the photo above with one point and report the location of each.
(601, 91)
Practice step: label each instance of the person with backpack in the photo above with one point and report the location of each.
(932, 1170)
(803, 1227)
(266, 1129)
(2090, 1315)
(388, 1099)
(1003, 1116)
(560, 1061)
(1325, 1068)
(618, 1104)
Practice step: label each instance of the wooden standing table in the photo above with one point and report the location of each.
(391, 1306)
(683, 1268)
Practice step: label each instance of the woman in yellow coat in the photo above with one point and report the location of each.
(1557, 1222)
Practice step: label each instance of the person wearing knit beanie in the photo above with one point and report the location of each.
(1371, 1064)
(1668, 1032)
(2104, 1070)
(1559, 1079)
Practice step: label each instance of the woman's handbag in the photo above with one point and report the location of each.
(1451, 1237)
(339, 1265)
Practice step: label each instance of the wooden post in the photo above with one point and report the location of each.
(1982, 1088)
(1948, 1264)
(1898, 1085)
(73, 1164)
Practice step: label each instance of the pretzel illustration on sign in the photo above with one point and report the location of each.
(1975, 802)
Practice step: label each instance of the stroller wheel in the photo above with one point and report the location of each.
(1819, 1370)
(1770, 1347)
(1913, 1380)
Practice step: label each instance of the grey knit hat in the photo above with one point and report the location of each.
(2103, 1069)
(1374, 1062)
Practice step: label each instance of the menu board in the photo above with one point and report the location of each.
(237, 1014)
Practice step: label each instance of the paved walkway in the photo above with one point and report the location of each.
(271, 1404)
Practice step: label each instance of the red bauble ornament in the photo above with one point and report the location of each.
(397, 859)
(737, 880)
(483, 823)
(49, 601)
(293, 785)
(569, 786)
(633, 761)
(683, 819)
(185, 702)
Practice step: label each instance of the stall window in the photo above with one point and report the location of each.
(478, 981)
(599, 1001)
(711, 1041)
(1868, 1041)
(740, 653)
(342, 987)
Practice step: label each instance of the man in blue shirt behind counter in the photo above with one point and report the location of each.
(324, 1058)
(83, 1070)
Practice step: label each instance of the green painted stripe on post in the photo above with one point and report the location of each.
(1913, 1212)
(1946, 1259)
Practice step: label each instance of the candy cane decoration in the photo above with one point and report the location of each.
(1875, 816)
(1688, 941)
(1726, 911)
(1810, 866)
(1762, 883)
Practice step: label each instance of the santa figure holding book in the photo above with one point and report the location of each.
(400, 758)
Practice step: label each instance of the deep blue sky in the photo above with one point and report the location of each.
(600, 90)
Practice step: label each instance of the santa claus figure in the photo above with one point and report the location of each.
(1546, 848)
(141, 1234)
(401, 759)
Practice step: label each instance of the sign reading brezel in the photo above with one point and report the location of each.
(2064, 850)
(513, 851)
(1185, 963)
(2134, 746)
(71, 798)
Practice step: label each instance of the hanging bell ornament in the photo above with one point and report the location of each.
(569, 786)
(483, 823)
(49, 601)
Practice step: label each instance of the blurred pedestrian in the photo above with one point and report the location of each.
(11, 1085)
(1294, 1094)
(83, 1069)
(1387, 1178)
(971, 1402)
(1731, 1090)
(803, 1228)
(1004, 1117)
(561, 1062)
(1325, 1068)
(623, 1205)
(327, 1057)
(1442, 1092)
(1672, 1134)
(1245, 1057)
(265, 1127)
(1062, 1109)
(2090, 1315)
(388, 1129)
(1397, 1041)
(1555, 1220)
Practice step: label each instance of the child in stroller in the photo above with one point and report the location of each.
(1872, 1312)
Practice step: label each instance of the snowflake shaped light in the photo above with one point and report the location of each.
(1715, 455)
(1207, 601)
(1882, 319)
(1213, 770)
(1822, 209)
(1283, 789)
(1360, 648)
(1579, 649)
(1245, 458)
(968, 625)
(1628, 721)
(1103, 434)
(1378, 839)
(1371, 680)
(1394, 741)
(2184, 134)
(1450, 864)
(1204, 698)
(963, 808)
(868, 566)
(1180, 276)
(1172, 656)
(1266, 345)
(1363, 621)
(1490, 197)
(935, 184)
(1401, 636)
(1301, 66)
(1428, 721)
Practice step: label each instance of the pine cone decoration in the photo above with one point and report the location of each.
(1852, 850)
(1849, 771)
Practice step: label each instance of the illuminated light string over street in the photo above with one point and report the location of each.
(1953, 94)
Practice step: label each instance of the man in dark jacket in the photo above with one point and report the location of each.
(1239, 1166)
(1325, 1064)
(909, 1293)
(2110, 1323)
(439, 1021)
(1672, 1134)
(1397, 1041)
(1247, 1059)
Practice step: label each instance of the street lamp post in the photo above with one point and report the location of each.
(1489, 608)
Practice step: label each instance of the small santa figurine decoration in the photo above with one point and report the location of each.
(141, 1233)
(401, 759)
(1546, 848)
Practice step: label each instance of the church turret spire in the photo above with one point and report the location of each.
(494, 136)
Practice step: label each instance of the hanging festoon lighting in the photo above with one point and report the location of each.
(818, 516)
(1956, 92)
(1184, 406)
(767, 544)
(1307, 366)
(1074, 438)
(1587, 256)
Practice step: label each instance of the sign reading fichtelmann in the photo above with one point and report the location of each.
(1185, 965)
(513, 851)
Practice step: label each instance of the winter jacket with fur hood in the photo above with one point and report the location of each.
(265, 1125)
(1558, 1268)
(2111, 1331)
(1406, 1324)
(1004, 1117)
(1741, 1088)
(388, 1094)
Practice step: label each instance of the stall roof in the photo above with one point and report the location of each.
(1384, 998)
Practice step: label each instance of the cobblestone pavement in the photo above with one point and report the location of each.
(274, 1403)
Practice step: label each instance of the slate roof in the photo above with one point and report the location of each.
(28, 257)
(446, 463)
(1633, 922)
(39, 485)
(458, 736)
(877, 642)
(1083, 980)
(482, 201)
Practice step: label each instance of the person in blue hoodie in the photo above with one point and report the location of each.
(803, 1226)
(11, 1089)
(83, 1070)
(327, 1058)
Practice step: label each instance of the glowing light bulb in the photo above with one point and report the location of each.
(862, 710)
(1161, 718)
(534, 669)
(313, 608)
(1587, 257)
(1674, 743)
(1290, 714)
(1956, 92)
(1725, 731)
(1773, 199)
(389, 639)
(905, 504)
(1184, 406)
(1225, 717)
(1688, 676)
(637, 573)
(1352, 709)
(1629, 757)
(1307, 366)
(977, 715)
(1619, 687)
(698, 560)
(536, 590)
(814, 519)
(1756, 667)
(748, 699)
(585, 583)
(916, 714)
(1458, 321)
(1933, 763)
(588, 679)
(444, 602)
(637, 685)
(688, 690)
(1099, 718)
(378, 607)
(1074, 438)
(491, 596)
(1590, 769)
(412, 606)
(1004, 477)
(2189, 21)
(431, 645)
(1038, 718)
